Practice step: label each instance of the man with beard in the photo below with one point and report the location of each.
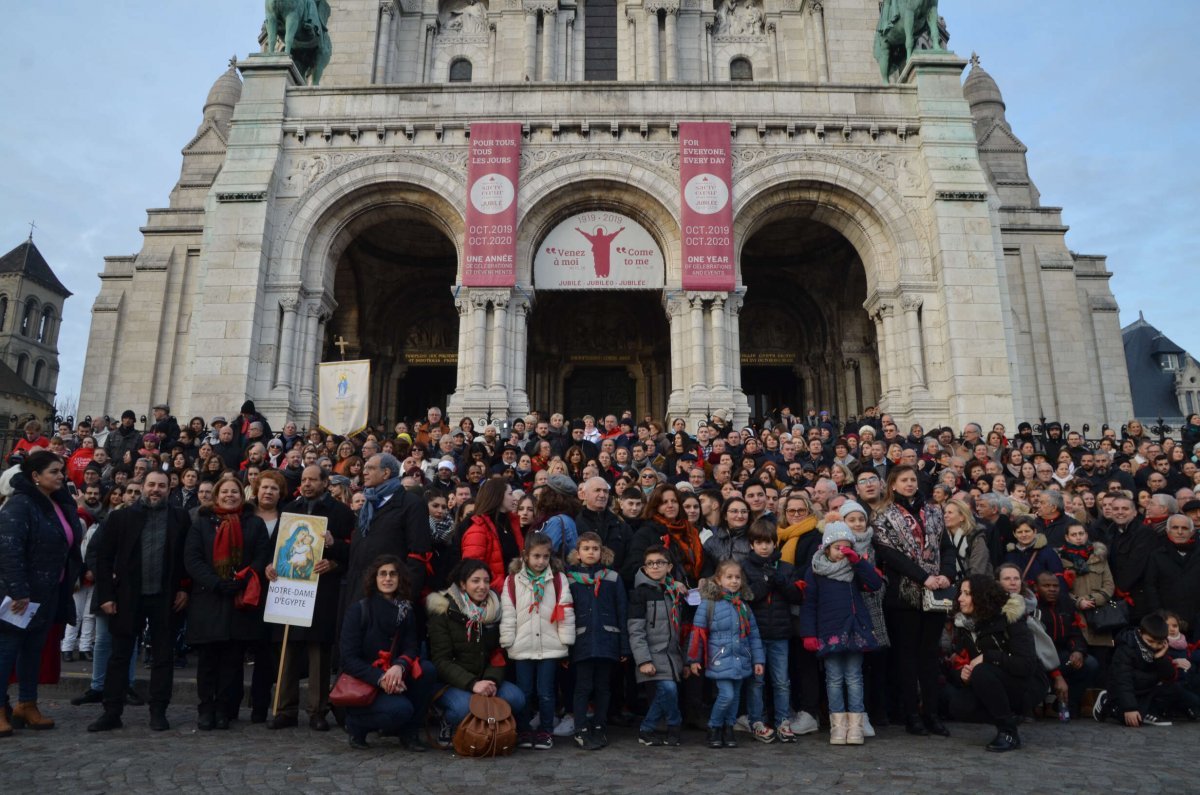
(139, 582)
(315, 641)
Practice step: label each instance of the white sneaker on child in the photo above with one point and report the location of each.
(742, 724)
(565, 726)
(867, 729)
(804, 723)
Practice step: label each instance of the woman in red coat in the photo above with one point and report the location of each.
(494, 535)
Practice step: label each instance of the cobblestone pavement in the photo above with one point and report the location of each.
(1082, 756)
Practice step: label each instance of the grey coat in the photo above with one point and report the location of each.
(653, 638)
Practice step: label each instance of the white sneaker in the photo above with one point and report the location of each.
(565, 726)
(804, 723)
(742, 724)
(867, 729)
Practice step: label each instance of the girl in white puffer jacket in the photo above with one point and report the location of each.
(537, 628)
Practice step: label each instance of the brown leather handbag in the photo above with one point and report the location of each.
(489, 728)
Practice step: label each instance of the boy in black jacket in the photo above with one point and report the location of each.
(1141, 677)
(773, 585)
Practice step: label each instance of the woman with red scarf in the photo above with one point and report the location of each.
(666, 525)
(915, 554)
(227, 552)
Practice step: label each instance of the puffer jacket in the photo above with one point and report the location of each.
(480, 541)
(775, 591)
(835, 612)
(1095, 584)
(728, 655)
(653, 637)
(600, 613)
(1004, 641)
(1134, 671)
(725, 544)
(463, 658)
(1039, 557)
(542, 634)
(37, 561)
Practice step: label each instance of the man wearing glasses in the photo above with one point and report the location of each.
(869, 489)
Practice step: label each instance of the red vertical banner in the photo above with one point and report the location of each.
(490, 254)
(706, 184)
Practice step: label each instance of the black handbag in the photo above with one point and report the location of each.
(1108, 617)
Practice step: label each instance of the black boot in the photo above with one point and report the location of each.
(714, 737)
(207, 720)
(935, 726)
(1006, 738)
(107, 721)
(158, 718)
(727, 738)
(914, 725)
(599, 737)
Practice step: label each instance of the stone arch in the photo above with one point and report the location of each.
(843, 196)
(308, 245)
(553, 193)
(29, 316)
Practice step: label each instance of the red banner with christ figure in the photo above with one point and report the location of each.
(706, 184)
(490, 254)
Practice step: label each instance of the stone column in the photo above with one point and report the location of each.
(569, 48)
(881, 345)
(632, 18)
(773, 32)
(674, 306)
(580, 54)
(822, 54)
(852, 402)
(427, 53)
(312, 351)
(897, 364)
(462, 305)
(287, 343)
(733, 303)
(478, 340)
(672, 58)
(499, 341)
(531, 43)
(386, 9)
(654, 72)
(719, 342)
(911, 304)
(549, 42)
(708, 50)
(520, 353)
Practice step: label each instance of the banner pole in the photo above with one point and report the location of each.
(279, 676)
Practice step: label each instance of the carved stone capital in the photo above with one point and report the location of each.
(654, 6)
(816, 7)
(911, 303)
(289, 304)
(734, 303)
(886, 310)
(850, 364)
(387, 7)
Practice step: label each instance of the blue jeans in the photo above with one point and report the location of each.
(664, 705)
(781, 688)
(22, 651)
(725, 708)
(101, 651)
(456, 703)
(400, 713)
(536, 679)
(844, 668)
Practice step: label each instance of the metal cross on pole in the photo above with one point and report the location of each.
(340, 343)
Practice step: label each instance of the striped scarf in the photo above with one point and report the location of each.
(537, 583)
(743, 613)
(474, 615)
(678, 593)
(593, 580)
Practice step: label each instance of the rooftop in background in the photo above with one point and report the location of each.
(1159, 373)
(26, 260)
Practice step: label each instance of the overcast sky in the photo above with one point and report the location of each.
(93, 114)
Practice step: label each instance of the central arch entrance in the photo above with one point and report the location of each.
(806, 340)
(597, 353)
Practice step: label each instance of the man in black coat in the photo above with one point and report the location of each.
(595, 517)
(317, 640)
(392, 522)
(166, 426)
(1130, 543)
(1173, 572)
(139, 579)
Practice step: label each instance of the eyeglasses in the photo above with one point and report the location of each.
(871, 479)
(796, 512)
(388, 575)
(656, 564)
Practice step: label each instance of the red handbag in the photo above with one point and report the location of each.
(351, 692)
(250, 597)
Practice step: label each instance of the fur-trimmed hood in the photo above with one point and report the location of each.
(1014, 608)
(442, 602)
(1039, 542)
(606, 557)
(709, 589)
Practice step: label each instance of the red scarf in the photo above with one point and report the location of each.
(683, 537)
(677, 592)
(227, 546)
(743, 613)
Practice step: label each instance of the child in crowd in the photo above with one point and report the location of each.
(774, 589)
(726, 644)
(655, 609)
(836, 625)
(600, 603)
(1184, 657)
(1141, 677)
(874, 665)
(537, 628)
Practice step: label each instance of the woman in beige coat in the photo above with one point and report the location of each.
(1085, 567)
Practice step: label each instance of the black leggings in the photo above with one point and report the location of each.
(916, 639)
(992, 695)
(592, 680)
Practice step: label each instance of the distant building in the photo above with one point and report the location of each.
(31, 310)
(1163, 377)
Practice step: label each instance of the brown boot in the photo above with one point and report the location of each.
(6, 729)
(26, 715)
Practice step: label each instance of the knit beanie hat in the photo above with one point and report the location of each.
(837, 531)
(849, 507)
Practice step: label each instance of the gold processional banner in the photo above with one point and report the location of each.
(344, 392)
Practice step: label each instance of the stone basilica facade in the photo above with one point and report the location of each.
(889, 246)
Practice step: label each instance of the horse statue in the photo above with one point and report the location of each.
(305, 28)
(902, 23)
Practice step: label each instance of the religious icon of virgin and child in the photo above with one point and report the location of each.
(297, 557)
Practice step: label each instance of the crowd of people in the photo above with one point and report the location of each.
(765, 580)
